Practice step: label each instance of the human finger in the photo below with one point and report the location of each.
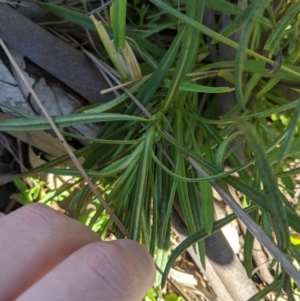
(33, 240)
(118, 270)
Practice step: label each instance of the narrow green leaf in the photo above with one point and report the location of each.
(248, 246)
(187, 54)
(168, 186)
(258, 67)
(147, 91)
(293, 219)
(61, 160)
(220, 155)
(85, 22)
(269, 288)
(194, 238)
(80, 198)
(252, 226)
(164, 188)
(277, 33)
(238, 21)
(205, 191)
(213, 34)
(69, 15)
(266, 223)
(118, 17)
(189, 87)
(135, 224)
(293, 150)
(249, 238)
(41, 123)
(250, 86)
(180, 169)
(125, 183)
(111, 170)
(163, 251)
(292, 172)
(273, 195)
(102, 141)
(291, 129)
(13, 109)
(248, 190)
(160, 72)
(257, 8)
(197, 211)
(207, 205)
(291, 60)
(224, 7)
(186, 179)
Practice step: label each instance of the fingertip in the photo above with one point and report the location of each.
(125, 263)
(117, 270)
(141, 258)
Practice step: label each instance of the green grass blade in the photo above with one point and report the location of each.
(118, 18)
(41, 123)
(135, 225)
(180, 169)
(194, 238)
(253, 227)
(260, 199)
(195, 24)
(248, 246)
(85, 22)
(13, 109)
(61, 160)
(186, 179)
(269, 288)
(277, 33)
(102, 141)
(238, 21)
(224, 7)
(258, 67)
(257, 8)
(249, 238)
(220, 154)
(292, 172)
(187, 54)
(203, 29)
(125, 181)
(207, 205)
(219, 37)
(250, 86)
(189, 87)
(69, 15)
(165, 196)
(160, 72)
(273, 195)
(168, 186)
(291, 129)
(79, 199)
(206, 193)
(112, 169)
(197, 210)
(293, 150)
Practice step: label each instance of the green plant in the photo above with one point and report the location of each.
(165, 135)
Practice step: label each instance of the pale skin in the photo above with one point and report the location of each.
(45, 255)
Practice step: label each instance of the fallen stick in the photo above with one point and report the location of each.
(60, 59)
